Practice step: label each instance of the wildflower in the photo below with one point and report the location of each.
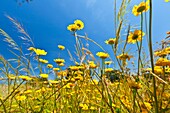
(62, 73)
(61, 47)
(40, 52)
(111, 41)
(25, 78)
(133, 84)
(161, 53)
(135, 36)
(79, 24)
(44, 75)
(102, 55)
(53, 81)
(61, 64)
(83, 106)
(28, 91)
(58, 61)
(124, 56)
(108, 70)
(107, 62)
(94, 81)
(43, 61)
(21, 98)
(56, 69)
(162, 62)
(11, 77)
(49, 66)
(92, 65)
(92, 108)
(142, 7)
(31, 48)
(146, 106)
(157, 70)
(72, 27)
(74, 68)
(167, 1)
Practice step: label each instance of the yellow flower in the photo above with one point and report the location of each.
(49, 66)
(102, 55)
(11, 77)
(108, 70)
(142, 7)
(40, 52)
(58, 61)
(92, 65)
(107, 62)
(56, 69)
(26, 78)
(133, 84)
(124, 56)
(74, 68)
(161, 53)
(44, 75)
(43, 61)
(136, 36)
(167, 1)
(162, 62)
(92, 108)
(28, 91)
(110, 41)
(61, 47)
(31, 48)
(72, 27)
(79, 24)
(21, 98)
(83, 106)
(53, 81)
(157, 70)
(61, 64)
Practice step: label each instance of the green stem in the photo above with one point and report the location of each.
(151, 57)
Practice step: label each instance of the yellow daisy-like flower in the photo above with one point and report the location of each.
(61, 64)
(110, 41)
(72, 27)
(43, 61)
(54, 81)
(136, 36)
(157, 70)
(26, 78)
(49, 66)
(142, 7)
(79, 24)
(107, 62)
(92, 65)
(40, 52)
(162, 62)
(102, 55)
(108, 70)
(28, 91)
(61, 47)
(21, 98)
(124, 56)
(74, 68)
(31, 48)
(58, 61)
(56, 69)
(44, 75)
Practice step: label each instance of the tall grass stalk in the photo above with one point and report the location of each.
(151, 57)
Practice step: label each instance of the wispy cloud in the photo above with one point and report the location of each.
(90, 3)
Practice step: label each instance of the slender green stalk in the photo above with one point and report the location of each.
(151, 57)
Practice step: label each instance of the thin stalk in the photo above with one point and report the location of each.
(151, 56)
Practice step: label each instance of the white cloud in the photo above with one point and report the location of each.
(90, 3)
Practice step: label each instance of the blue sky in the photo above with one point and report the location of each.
(46, 21)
